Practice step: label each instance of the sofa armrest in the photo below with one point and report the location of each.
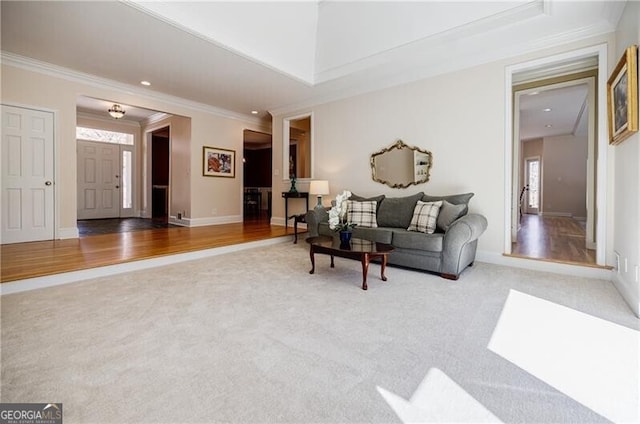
(459, 244)
(315, 217)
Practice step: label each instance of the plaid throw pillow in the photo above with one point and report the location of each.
(425, 216)
(362, 213)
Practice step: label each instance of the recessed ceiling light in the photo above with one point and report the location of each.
(548, 126)
(147, 83)
(255, 112)
(547, 109)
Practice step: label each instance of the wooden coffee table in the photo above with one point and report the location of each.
(363, 250)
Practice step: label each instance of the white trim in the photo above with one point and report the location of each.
(93, 117)
(286, 133)
(631, 298)
(201, 222)
(544, 266)
(45, 68)
(105, 271)
(68, 233)
(602, 140)
(563, 214)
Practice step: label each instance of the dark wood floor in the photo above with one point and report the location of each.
(553, 238)
(35, 259)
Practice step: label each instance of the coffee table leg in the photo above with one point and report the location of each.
(313, 260)
(365, 270)
(382, 267)
(332, 265)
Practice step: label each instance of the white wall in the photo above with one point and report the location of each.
(627, 179)
(564, 176)
(40, 89)
(459, 117)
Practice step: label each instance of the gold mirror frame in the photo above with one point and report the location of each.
(413, 169)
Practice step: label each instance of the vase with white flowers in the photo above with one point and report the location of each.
(338, 217)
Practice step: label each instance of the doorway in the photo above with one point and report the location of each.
(552, 215)
(27, 175)
(257, 164)
(160, 160)
(532, 185)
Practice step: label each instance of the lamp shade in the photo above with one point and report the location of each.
(319, 187)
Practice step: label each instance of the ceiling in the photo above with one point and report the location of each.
(273, 57)
(559, 111)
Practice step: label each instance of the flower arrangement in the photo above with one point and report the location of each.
(338, 213)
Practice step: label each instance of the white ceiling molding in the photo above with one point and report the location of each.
(278, 35)
(34, 65)
(103, 119)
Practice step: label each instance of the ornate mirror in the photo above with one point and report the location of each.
(400, 165)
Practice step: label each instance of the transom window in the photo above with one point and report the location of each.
(104, 136)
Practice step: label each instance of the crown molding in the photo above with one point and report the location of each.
(29, 64)
(94, 117)
(156, 117)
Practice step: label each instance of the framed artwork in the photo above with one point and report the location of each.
(622, 97)
(218, 162)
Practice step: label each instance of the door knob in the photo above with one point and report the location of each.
(117, 186)
(48, 183)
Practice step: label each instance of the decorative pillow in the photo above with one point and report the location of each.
(363, 214)
(455, 199)
(425, 215)
(397, 211)
(448, 213)
(378, 199)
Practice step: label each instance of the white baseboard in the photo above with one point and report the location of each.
(201, 222)
(565, 214)
(627, 293)
(68, 233)
(277, 221)
(544, 266)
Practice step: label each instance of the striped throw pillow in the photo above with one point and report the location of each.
(363, 214)
(425, 216)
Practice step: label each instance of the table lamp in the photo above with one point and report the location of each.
(319, 188)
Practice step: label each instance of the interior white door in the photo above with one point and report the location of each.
(27, 175)
(98, 180)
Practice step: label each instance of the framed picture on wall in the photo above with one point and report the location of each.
(622, 97)
(218, 162)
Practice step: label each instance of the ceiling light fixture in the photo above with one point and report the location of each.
(147, 83)
(116, 111)
(548, 126)
(254, 112)
(547, 109)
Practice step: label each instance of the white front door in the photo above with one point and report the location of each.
(532, 180)
(98, 180)
(27, 175)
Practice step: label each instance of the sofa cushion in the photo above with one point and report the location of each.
(448, 214)
(377, 199)
(456, 199)
(424, 218)
(363, 214)
(404, 239)
(397, 211)
(380, 235)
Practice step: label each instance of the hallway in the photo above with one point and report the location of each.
(553, 238)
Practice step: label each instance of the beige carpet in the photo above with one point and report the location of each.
(251, 337)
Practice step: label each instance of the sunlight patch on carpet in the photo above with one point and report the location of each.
(438, 399)
(592, 360)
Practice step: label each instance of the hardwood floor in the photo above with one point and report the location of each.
(35, 259)
(559, 239)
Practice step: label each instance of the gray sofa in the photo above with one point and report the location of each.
(448, 251)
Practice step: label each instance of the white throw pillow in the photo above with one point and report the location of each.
(363, 214)
(425, 216)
